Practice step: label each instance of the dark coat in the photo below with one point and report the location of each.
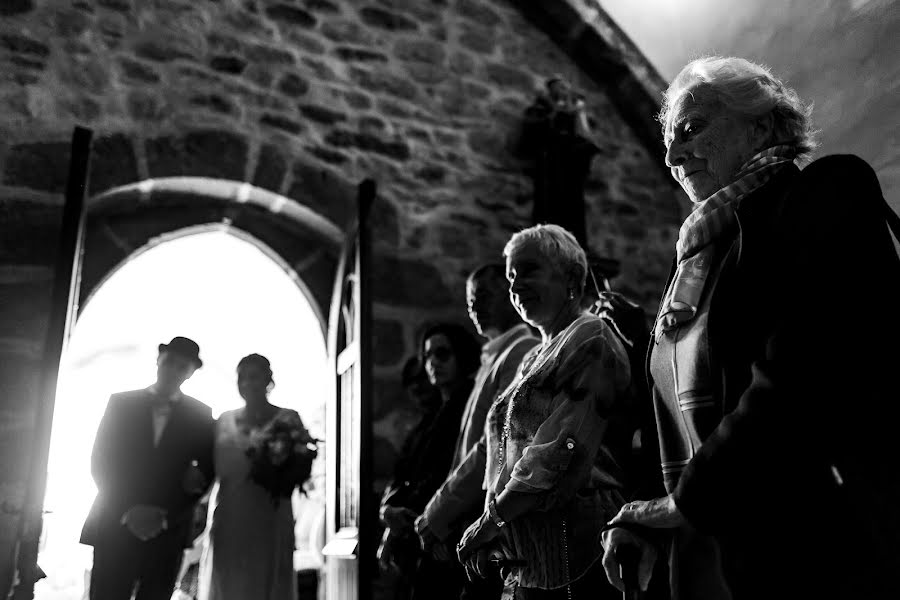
(798, 480)
(129, 470)
(427, 454)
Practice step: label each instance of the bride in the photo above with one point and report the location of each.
(251, 540)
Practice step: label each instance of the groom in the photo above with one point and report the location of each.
(152, 461)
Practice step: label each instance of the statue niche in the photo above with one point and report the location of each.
(557, 140)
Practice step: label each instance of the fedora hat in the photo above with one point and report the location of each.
(184, 347)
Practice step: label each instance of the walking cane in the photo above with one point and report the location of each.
(628, 558)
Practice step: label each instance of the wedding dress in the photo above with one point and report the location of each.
(249, 554)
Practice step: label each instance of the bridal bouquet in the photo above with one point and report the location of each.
(281, 455)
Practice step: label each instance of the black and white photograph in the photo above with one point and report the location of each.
(449, 300)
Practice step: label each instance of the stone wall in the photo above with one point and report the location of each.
(304, 99)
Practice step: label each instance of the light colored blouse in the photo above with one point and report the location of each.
(559, 432)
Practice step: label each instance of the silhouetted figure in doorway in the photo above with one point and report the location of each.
(152, 461)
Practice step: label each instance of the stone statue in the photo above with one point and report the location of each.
(557, 138)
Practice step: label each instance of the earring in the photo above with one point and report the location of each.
(571, 294)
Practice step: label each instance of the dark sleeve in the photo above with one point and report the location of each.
(460, 493)
(438, 449)
(205, 445)
(104, 468)
(822, 359)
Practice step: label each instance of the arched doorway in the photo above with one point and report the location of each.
(219, 286)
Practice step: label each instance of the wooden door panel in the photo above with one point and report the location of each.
(350, 530)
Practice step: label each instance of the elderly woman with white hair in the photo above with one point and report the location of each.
(556, 438)
(773, 360)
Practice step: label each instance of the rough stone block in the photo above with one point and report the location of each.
(431, 174)
(447, 138)
(119, 5)
(269, 55)
(85, 73)
(293, 85)
(203, 153)
(320, 114)
(326, 155)
(478, 11)
(323, 191)
(282, 123)
(71, 22)
(425, 51)
(83, 108)
(306, 43)
(323, 6)
(145, 106)
(371, 124)
(454, 101)
(245, 21)
(9, 8)
(291, 15)
(478, 91)
(383, 19)
(346, 31)
(357, 100)
(220, 43)
(40, 166)
(271, 167)
(161, 50)
(383, 81)
(509, 77)
(320, 69)
(457, 160)
(417, 133)
(21, 44)
(259, 74)
(342, 138)
(479, 40)
(348, 54)
(461, 63)
(28, 63)
(408, 282)
(214, 102)
(233, 65)
(137, 71)
(190, 75)
(394, 109)
(424, 73)
(113, 163)
(112, 29)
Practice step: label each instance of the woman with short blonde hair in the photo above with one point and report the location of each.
(556, 439)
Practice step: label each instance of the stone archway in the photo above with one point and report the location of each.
(130, 218)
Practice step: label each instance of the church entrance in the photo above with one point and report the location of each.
(226, 290)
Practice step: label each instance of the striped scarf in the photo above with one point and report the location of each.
(712, 219)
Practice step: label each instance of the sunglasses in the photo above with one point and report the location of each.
(441, 354)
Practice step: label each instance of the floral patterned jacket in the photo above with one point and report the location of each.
(561, 432)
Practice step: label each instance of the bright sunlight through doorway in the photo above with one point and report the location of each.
(233, 299)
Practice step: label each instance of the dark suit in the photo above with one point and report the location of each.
(797, 478)
(129, 470)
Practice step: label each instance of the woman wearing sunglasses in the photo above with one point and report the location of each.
(450, 356)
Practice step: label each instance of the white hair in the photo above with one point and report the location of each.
(557, 244)
(748, 89)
